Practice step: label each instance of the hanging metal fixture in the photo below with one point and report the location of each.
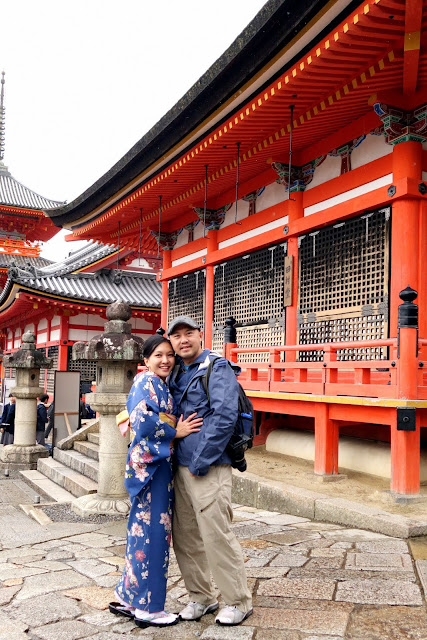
(117, 275)
(140, 236)
(118, 246)
(160, 222)
(291, 107)
(237, 182)
(206, 201)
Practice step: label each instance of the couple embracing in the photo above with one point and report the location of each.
(204, 542)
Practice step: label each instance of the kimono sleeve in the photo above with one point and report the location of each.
(153, 431)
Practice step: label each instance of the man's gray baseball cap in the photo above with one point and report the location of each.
(182, 320)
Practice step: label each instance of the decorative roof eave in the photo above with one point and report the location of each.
(34, 223)
(251, 51)
(333, 103)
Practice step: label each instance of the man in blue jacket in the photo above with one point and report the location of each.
(204, 542)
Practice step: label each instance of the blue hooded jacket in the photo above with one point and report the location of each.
(199, 451)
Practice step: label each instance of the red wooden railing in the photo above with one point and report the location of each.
(329, 376)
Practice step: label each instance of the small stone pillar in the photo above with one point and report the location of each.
(24, 452)
(117, 353)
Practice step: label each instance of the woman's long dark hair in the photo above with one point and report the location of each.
(151, 344)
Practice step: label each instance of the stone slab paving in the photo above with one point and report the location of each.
(310, 581)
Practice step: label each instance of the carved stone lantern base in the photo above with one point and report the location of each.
(94, 503)
(16, 456)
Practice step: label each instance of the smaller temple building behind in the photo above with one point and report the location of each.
(65, 302)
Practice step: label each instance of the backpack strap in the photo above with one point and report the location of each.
(205, 378)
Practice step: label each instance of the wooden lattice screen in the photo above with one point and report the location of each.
(344, 285)
(52, 352)
(187, 297)
(87, 368)
(250, 289)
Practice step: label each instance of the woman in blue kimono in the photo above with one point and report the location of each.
(141, 591)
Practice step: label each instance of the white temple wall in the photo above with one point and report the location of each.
(242, 213)
(79, 326)
(42, 324)
(329, 169)
(272, 195)
(371, 148)
(140, 323)
(88, 318)
(17, 340)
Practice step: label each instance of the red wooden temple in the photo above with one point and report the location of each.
(287, 191)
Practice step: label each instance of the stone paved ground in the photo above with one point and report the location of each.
(310, 580)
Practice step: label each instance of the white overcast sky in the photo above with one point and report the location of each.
(85, 79)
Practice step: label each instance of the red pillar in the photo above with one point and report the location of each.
(406, 244)
(212, 245)
(167, 263)
(326, 435)
(422, 280)
(405, 228)
(63, 348)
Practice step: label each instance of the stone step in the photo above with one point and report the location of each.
(89, 449)
(72, 481)
(78, 462)
(93, 437)
(40, 482)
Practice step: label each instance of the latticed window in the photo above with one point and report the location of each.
(343, 285)
(250, 289)
(52, 352)
(187, 297)
(87, 368)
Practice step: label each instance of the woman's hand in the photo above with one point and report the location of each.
(187, 426)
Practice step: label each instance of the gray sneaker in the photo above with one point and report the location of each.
(195, 610)
(231, 616)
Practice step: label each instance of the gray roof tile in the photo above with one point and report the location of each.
(15, 194)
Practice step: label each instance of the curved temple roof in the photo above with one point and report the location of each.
(104, 286)
(15, 194)
(332, 63)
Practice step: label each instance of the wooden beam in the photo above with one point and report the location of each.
(363, 125)
(411, 46)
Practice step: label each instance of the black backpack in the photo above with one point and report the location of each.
(243, 436)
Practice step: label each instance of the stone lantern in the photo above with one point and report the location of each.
(24, 452)
(117, 353)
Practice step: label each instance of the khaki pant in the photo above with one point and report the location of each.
(203, 540)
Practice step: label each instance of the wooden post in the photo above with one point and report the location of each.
(296, 210)
(167, 263)
(405, 227)
(326, 435)
(405, 445)
(63, 344)
(212, 245)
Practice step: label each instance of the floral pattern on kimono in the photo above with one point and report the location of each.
(148, 479)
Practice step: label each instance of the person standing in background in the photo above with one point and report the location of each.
(8, 421)
(41, 418)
